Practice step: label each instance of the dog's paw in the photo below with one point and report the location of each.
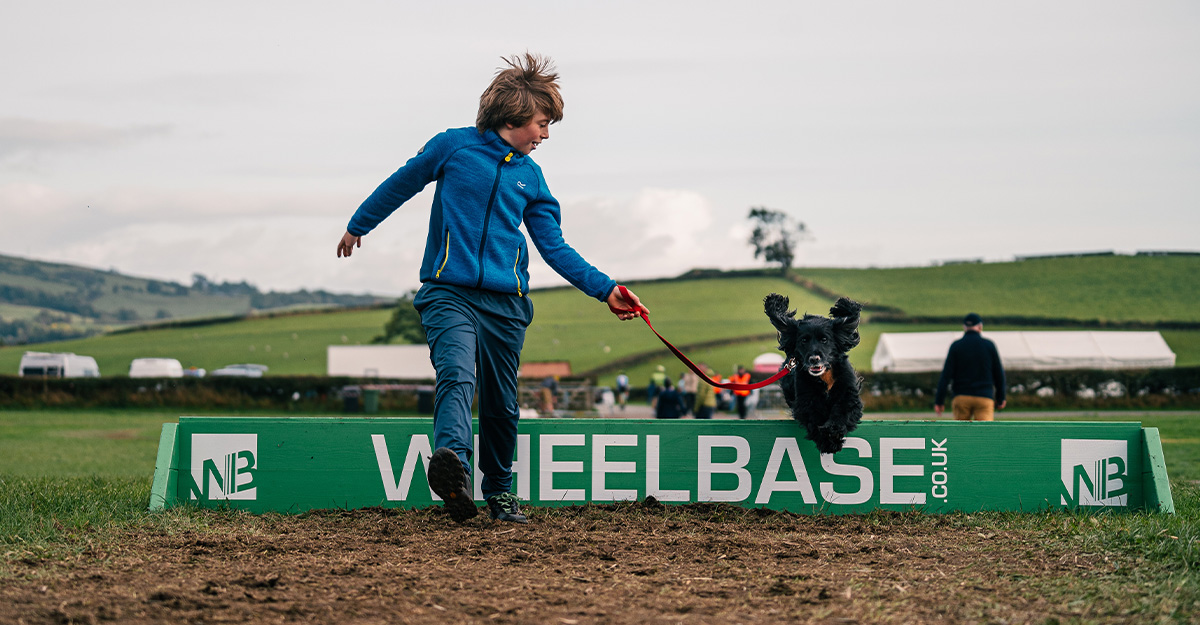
(829, 440)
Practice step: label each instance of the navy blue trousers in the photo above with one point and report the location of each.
(475, 340)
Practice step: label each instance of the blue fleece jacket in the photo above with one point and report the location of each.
(485, 189)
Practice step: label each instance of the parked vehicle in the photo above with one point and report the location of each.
(241, 371)
(58, 365)
(194, 372)
(155, 368)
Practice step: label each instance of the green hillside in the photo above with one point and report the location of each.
(41, 301)
(1103, 288)
(289, 345)
(569, 326)
(106, 296)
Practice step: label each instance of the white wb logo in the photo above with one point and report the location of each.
(224, 466)
(1095, 472)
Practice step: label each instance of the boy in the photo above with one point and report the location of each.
(475, 281)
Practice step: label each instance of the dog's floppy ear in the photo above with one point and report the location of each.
(845, 314)
(776, 307)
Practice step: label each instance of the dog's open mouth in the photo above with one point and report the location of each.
(817, 369)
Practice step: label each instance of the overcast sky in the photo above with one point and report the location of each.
(235, 139)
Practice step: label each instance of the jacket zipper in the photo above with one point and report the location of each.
(518, 275)
(487, 218)
(446, 258)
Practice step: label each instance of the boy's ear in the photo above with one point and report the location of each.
(845, 314)
(776, 307)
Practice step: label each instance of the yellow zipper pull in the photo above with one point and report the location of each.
(518, 262)
(508, 158)
(439, 271)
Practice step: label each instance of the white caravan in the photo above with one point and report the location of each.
(58, 365)
(155, 368)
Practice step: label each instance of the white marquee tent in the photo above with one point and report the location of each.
(769, 362)
(909, 352)
(401, 362)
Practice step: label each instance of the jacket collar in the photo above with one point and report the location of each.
(493, 137)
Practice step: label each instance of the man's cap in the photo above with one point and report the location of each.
(972, 319)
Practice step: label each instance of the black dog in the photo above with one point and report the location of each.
(823, 389)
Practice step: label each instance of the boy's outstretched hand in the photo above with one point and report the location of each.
(347, 244)
(625, 309)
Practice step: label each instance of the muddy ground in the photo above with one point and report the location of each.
(627, 563)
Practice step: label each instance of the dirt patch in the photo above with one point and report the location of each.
(627, 563)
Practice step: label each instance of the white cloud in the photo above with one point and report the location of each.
(276, 241)
(22, 138)
(655, 233)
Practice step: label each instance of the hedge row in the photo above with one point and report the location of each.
(1082, 389)
(1177, 388)
(286, 393)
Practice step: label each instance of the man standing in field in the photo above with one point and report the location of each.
(473, 300)
(974, 371)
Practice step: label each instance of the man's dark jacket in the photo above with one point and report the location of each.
(669, 405)
(972, 368)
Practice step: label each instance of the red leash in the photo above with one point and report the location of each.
(733, 386)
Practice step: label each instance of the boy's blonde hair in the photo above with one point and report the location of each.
(529, 86)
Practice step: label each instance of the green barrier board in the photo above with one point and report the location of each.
(298, 464)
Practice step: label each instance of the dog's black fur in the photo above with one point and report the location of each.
(819, 345)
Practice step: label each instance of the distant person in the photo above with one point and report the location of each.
(705, 403)
(658, 381)
(622, 390)
(670, 403)
(752, 404)
(739, 397)
(474, 297)
(973, 371)
(689, 382)
(549, 393)
(606, 401)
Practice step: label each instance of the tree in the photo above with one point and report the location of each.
(776, 235)
(405, 323)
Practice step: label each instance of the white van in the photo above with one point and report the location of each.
(58, 365)
(240, 371)
(155, 368)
